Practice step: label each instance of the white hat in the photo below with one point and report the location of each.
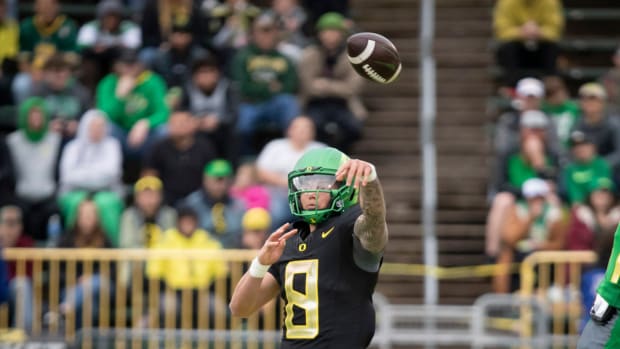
(530, 87)
(535, 187)
(533, 119)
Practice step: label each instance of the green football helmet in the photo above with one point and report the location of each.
(315, 172)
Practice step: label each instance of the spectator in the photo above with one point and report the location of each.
(158, 19)
(101, 40)
(256, 225)
(248, 189)
(34, 152)
(317, 8)
(611, 81)
(93, 160)
(292, 18)
(597, 218)
(602, 128)
(563, 111)
(40, 36)
(174, 61)
(65, 97)
(267, 80)
(7, 174)
(535, 224)
(330, 88)
(532, 158)
(212, 99)
(179, 159)
(133, 99)
(528, 32)
(218, 212)
(143, 224)
(91, 164)
(230, 22)
(277, 159)
(20, 286)
(87, 233)
(9, 32)
(529, 95)
(186, 274)
(586, 166)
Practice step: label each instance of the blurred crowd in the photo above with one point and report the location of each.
(556, 154)
(164, 124)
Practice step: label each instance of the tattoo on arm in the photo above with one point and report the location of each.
(371, 227)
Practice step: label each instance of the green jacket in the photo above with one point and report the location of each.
(145, 101)
(254, 70)
(578, 176)
(61, 34)
(564, 116)
(520, 171)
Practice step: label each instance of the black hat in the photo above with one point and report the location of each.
(128, 55)
(186, 211)
(578, 137)
(182, 27)
(205, 61)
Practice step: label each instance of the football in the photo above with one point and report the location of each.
(374, 57)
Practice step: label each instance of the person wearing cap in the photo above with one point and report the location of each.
(100, 40)
(133, 97)
(611, 81)
(256, 225)
(144, 222)
(528, 32)
(267, 81)
(530, 159)
(529, 95)
(329, 87)
(180, 157)
(218, 212)
(66, 98)
(563, 110)
(182, 275)
(533, 224)
(586, 166)
(599, 125)
(174, 60)
(213, 101)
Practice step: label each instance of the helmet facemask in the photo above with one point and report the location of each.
(318, 180)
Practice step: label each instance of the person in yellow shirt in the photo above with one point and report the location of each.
(528, 32)
(9, 37)
(180, 275)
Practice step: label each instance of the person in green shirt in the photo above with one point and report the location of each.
(134, 100)
(267, 80)
(48, 31)
(563, 111)
(586, 166)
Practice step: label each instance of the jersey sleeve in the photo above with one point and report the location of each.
(275, 271)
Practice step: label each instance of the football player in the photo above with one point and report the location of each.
(603, 328)
(325, 267)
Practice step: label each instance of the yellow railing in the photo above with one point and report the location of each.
(128, 301)
(554, 277)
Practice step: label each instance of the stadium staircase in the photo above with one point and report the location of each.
(391, 140)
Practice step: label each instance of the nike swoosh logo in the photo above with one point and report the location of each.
(325, 233)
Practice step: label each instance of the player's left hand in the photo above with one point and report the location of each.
(355, 172)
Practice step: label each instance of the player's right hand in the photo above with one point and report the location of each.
(274, 246)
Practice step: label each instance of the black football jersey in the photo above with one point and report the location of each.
(328, 298)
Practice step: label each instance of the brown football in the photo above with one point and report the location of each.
(374, 57)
